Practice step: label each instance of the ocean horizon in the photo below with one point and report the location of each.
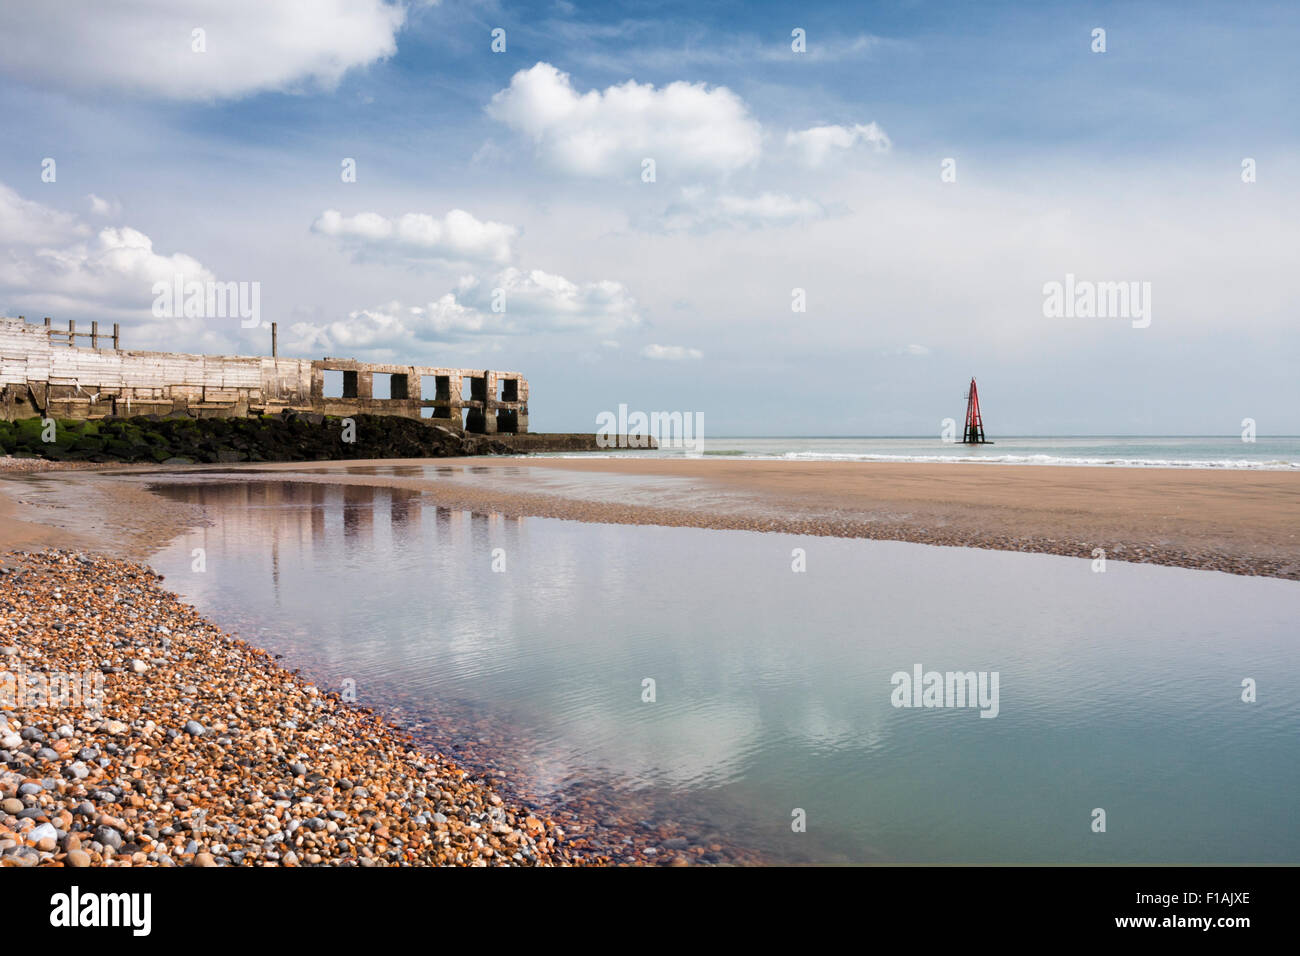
(1266, 453)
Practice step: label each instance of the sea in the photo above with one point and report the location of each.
(1263, 453)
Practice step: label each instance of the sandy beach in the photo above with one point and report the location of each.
(1241, 522)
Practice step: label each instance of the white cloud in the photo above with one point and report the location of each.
(146, 46)
(815, 145)
(28, 223)
(684, 127)
(108, 208)
(51, 262)
(457, 237)
(699, 211)
(671, 353)
(534, 302)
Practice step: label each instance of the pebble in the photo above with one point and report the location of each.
(123, 786)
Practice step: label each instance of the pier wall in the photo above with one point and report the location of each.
(44, 372)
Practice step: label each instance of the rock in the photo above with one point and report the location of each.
(204, 859)
(78, 858)
(139, 666)
(194, 728)
(13, 807)
(108, 837)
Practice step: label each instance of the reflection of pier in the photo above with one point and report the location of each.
(292, 518)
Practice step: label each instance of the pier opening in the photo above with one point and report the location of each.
(474, 388)
(507, 420)
(337, 383)
(435, 388)
(388, 385)
(475, 421)
(509, 389)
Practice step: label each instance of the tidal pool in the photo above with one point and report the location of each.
(529, 645)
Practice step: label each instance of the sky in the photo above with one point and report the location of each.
(794, 219)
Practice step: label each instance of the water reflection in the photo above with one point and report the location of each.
(523, 645)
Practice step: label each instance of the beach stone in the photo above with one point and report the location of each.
(362, 792)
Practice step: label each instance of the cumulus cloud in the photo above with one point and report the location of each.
(511, 302)
(671, 353)
(700, 211)
(457, 237)
(815, 145)
(148, 46)
(104, 207)
(684, 127)
(28, 223)
(52, 262)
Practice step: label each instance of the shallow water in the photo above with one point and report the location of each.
(1268, 453)
(1118, 690)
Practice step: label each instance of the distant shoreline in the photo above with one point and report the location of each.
(1236, 521)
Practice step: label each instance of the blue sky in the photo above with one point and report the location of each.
(522, 171)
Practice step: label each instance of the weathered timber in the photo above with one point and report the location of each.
(71, 381)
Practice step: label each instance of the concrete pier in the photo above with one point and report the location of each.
(44, 372)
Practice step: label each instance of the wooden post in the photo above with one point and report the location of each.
(72, 332)
(115, 339)
(94, 335)
(274, 336)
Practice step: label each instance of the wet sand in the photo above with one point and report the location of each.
(1242, 522)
